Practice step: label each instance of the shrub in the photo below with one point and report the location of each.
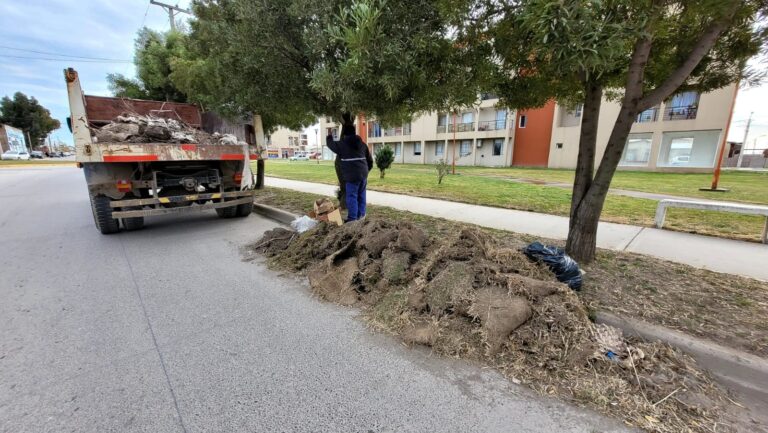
(384, 158)
(442, 169)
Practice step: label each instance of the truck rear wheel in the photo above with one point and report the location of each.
(102, 215)
(245, 209)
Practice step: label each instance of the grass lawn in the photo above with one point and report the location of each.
(491, 187)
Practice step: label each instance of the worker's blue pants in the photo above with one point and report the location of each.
(356, 199)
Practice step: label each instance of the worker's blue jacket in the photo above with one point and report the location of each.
(356, 160)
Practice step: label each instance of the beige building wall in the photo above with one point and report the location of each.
(706, 128)
(484, 127)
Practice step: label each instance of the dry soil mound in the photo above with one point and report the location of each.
(467, 297)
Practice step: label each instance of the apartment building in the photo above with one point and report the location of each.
(284, 143)
(481, 135)
(682, 134)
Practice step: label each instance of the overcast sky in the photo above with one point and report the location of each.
(107, 28)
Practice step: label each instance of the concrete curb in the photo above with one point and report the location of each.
(746, 372)
(274, 213)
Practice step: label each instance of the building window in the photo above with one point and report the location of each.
(398, 149)
(682, 106)
(439, 149)
(637, 151)
(333, 132)
(578, 110)
(417, 149)
(501, 119)
(498, 146)
(688, 149)
(465, 148)
(649, 115)
(523, 121)
(374, 129)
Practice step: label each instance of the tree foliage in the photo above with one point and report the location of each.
(27, 114)
(384, 158)
(636, 52)
(295, 60)
(154, 52)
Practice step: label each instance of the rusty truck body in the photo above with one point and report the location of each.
(128, 181)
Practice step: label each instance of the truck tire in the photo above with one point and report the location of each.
(227, 212)
(102, 215)
(245, 209)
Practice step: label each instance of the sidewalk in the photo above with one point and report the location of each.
(716, 254)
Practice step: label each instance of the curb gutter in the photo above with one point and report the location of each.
(274, 213)
(746, 372)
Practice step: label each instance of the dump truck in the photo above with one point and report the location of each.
(130, 180)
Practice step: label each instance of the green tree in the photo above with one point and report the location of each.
(27, 114)
(384, 158)
(635, 52)
(153, 54)
(293, 61)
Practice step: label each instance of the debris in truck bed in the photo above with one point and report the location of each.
(134, 128)
(466, 296)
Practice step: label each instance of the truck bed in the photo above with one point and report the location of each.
(148, 152)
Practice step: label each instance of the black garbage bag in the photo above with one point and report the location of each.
(565, 268)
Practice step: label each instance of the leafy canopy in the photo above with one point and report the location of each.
(153, 54)
(294, 60)
(27, 114)
(537, 50)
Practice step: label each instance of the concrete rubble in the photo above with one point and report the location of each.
(149, 129)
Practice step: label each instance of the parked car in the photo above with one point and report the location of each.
(36, 154)
(299, 157)
(314, 155)
(681, 160)
(16, 155)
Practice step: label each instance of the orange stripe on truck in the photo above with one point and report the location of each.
(129, 158)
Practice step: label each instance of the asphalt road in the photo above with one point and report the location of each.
(169, 330)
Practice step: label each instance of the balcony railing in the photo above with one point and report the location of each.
(491, 125)
(680, 113)
(459, 127)
(649, 115)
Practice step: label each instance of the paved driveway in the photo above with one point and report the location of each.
(168, 330)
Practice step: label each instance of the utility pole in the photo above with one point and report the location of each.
(744, 141)
(172, 10)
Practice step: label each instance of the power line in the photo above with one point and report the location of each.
(63, 55)
(65, 60)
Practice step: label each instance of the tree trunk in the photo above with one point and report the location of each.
(381, 175)
(585, 163)
(582, 233)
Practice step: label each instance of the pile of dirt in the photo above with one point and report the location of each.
(134, 128)
(466, 296)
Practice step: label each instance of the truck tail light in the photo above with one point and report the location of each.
(124, 185)
(238, 177)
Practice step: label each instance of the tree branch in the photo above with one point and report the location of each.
(678, 77)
